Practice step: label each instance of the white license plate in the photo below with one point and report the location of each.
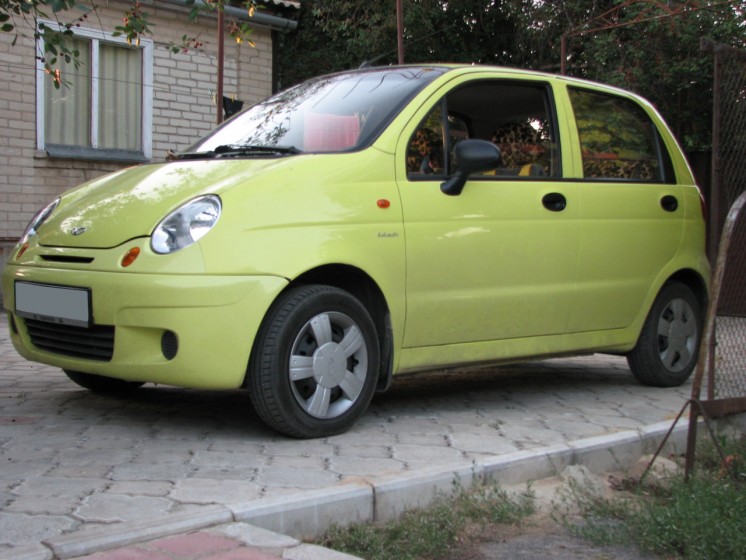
(54, 304)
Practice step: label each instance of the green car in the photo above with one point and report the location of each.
(370, 223)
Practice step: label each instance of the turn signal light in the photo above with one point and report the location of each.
(130, 256)
(22, 250)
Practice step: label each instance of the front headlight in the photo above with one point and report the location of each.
(40, 217)
(186, 225)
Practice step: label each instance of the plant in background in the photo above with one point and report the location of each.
(699, 519)
(438, 530)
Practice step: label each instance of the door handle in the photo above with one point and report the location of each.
(554, 202)
(669, 203)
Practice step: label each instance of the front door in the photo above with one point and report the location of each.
(499, 260)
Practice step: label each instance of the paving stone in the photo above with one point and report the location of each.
(151, 472)
(364, 466)
(141, 488)
(18, 530)
(207, 491)
(363, 451)
(425, 453)
(296, 478)
(112, 508)
(165, 452)
(216, 459)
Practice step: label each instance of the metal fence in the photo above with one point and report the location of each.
(723, 360)
(721, 370)
(728, 179)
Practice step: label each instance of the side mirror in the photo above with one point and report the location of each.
(472, 156)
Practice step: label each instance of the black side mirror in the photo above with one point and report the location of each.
(472, 156)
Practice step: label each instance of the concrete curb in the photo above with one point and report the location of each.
(309, 514)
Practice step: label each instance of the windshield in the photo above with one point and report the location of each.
(340, 112)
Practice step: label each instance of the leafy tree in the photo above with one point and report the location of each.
(658, 57)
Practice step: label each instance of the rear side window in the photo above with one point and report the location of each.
(618, 139)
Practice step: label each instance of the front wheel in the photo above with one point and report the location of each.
(668, 347)
(102, 385)
(315, 362)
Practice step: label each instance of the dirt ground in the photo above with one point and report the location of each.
(543, 538)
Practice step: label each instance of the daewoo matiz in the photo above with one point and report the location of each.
(369, 223)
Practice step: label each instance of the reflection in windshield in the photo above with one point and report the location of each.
(340, 112)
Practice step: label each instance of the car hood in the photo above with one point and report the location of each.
(130, 203)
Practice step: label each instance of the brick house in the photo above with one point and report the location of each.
(131, 104)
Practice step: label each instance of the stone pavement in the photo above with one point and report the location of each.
(172, 473)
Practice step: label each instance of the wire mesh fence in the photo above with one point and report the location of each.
(722, 364)
(723, 360)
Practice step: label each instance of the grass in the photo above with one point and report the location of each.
(702, 518)
(435, 532)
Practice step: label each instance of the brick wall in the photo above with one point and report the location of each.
(183, 107)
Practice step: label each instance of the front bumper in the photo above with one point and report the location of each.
(211, 319)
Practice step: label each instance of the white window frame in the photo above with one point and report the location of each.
(94, 152)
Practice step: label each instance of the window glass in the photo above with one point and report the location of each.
(103, 107)
(68, 118)
(336, 113)
(517, 117)
(120, 97)
(617, 138)
(425, 154)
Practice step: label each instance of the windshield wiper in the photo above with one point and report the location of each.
(228, 150)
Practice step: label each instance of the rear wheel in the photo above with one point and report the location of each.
(315, 362)
(102, 385)
(668, 347)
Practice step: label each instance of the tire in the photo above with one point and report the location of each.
(315, 362)
(667, 350)
(103, 385)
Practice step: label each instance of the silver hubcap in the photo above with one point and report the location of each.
(328, 365)
(677, 335)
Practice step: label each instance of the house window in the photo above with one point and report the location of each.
(103, 110)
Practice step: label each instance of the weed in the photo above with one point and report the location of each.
(436, 531)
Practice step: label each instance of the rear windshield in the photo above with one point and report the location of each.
(335, 113)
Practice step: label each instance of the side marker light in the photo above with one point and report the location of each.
(22, 250)
(130, 256)
(383, 203)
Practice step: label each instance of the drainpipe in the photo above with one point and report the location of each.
(221, 66)
(260, 19)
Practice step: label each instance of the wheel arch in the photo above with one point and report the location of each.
(695, 282)
(358, 283)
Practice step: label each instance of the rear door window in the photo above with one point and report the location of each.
(618, 140)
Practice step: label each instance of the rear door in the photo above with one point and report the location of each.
(632, 210)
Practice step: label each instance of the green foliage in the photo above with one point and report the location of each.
(661, 60)
(699, 519)
(136, 23)
(436, 531)
(658, 57)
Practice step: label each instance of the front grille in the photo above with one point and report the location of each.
(94, 343)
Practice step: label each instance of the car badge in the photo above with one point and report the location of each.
(78, 230)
